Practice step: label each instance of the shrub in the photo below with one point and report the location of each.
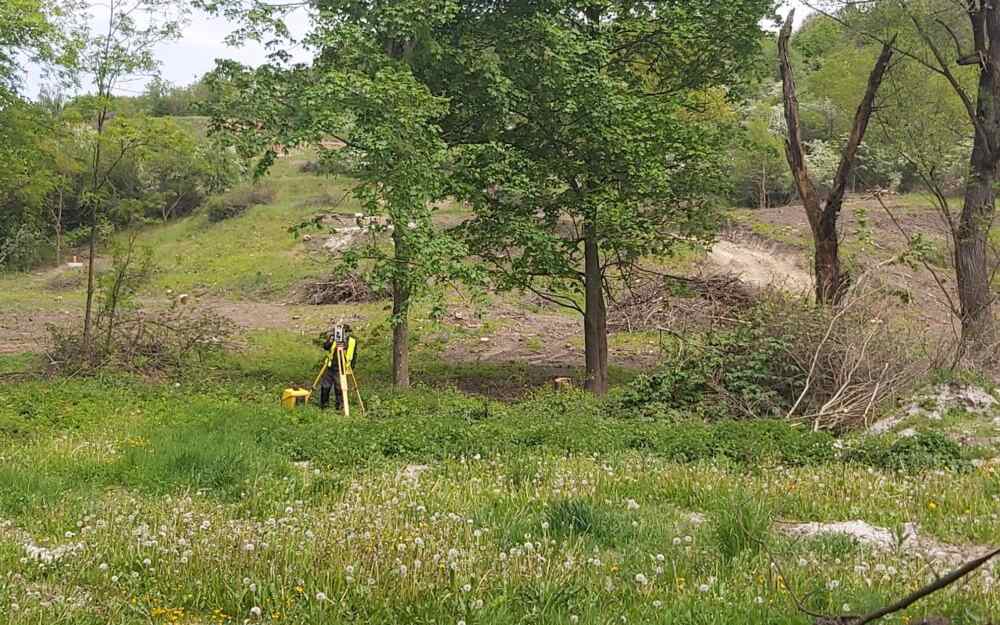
(237, 201)
(740, 372)
(921, 452)
(166, 341)
(830, 367)
(22, 249)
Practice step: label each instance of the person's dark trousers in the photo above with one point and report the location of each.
(324, 393)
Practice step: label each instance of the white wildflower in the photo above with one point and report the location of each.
(256, 612)
(641, 579)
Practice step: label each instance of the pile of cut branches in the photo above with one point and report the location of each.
(341, 288)
(144, 342)
(677, 303)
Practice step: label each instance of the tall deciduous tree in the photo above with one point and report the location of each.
(824, 213)
(121, 51)
(360, 94)
(584, 141)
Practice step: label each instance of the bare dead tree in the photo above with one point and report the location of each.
(822, 214)
(971, 231)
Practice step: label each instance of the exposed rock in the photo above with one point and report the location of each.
(909, 540)
(937, 402)
(343, 238)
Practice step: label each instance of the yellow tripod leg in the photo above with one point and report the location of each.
(357, 390)
(319, 377)
(343, 382)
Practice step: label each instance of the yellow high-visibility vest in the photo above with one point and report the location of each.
(348, 354)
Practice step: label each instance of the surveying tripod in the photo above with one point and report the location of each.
(346, 372)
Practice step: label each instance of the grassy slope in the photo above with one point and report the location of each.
(254, 254)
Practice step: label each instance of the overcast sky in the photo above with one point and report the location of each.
(186, 59)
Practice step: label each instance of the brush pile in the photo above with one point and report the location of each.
(341, 288)
(679, 304)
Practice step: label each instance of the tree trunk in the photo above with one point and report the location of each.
(829, 281)
(971, 262)
(59, 228)
(595, 320)
(972, 231)
(89, 312)
(763, 186)
(400, 314)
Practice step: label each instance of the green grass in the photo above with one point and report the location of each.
(181, 489)
(253, 254)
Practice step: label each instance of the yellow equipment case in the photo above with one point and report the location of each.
(293, 398)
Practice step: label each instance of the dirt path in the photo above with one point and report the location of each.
(759, 267)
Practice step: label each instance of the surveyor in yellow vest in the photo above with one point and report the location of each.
(331, 377)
